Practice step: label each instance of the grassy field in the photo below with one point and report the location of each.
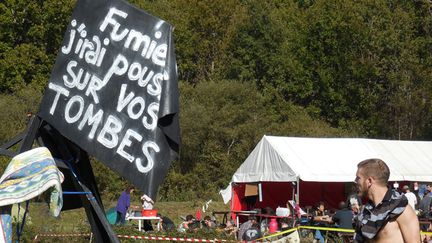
(75, 221)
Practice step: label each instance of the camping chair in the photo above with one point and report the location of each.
(224, 217)
(347, 237)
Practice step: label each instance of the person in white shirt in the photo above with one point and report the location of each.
(147, 202)
(412, 199)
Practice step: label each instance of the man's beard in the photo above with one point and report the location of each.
(363, 191)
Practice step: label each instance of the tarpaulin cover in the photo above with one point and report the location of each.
(113, 90)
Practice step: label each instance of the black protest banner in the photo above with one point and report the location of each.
(113, 90)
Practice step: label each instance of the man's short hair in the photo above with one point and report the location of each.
(320, 203)
(375, 168)
(342, 205)
(189, 217)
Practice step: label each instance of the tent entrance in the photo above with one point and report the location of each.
(277, 194)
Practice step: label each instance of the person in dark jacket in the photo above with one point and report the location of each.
(252, 233)
(425, 206)
(166, 224)
(343, 218)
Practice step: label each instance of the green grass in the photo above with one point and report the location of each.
(75, 221)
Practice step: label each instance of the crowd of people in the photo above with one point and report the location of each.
(388, 213)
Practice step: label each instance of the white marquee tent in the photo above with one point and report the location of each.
(288, 159)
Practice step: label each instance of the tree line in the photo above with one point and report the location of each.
(318, 68)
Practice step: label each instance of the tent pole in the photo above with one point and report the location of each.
(298, 191)
(260, 192)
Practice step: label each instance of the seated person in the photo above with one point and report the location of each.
(265, 221)
(208, 223)
(166, 223)
(284, 225)
(230, 228)
(184, 226)
(292, 236)
(320, 219)
(195, 225)
(343, 218)
(252, 233)
(246, 225)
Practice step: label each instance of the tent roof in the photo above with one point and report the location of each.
(333, 159)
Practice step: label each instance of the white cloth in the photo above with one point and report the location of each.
(412, 200)
(294, 237)
(147, 205)
(147, 202)
(226, 194)
(27, 176)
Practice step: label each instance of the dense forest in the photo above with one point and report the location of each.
(323, 68)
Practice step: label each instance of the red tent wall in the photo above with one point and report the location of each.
(276, 194)
(238, 191)
(331, 193)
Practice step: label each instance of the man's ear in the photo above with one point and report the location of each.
(370, 181)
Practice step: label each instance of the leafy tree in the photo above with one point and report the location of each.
(221, 123)
(30, 35)
(203, 31)
(14, 109)
(352, 63)
(249, 68)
